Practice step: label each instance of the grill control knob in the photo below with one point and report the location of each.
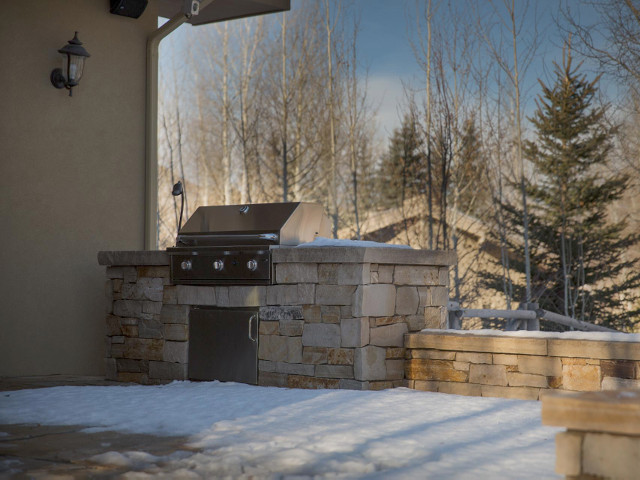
(252, 265)
(218, 265)
(186, 265)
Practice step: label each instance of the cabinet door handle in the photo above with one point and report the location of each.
(251, 319)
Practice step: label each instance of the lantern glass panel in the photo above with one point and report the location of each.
(76, 66)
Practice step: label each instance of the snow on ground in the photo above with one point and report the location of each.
(338, 242)
(598, 336)
(241, 430)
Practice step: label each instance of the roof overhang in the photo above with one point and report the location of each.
(221, 10)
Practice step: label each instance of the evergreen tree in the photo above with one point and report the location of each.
(579, 264)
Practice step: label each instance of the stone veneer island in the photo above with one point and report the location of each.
(334, 317)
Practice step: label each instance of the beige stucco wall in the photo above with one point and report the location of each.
(71, 178)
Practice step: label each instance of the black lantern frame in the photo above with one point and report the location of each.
(74, 55)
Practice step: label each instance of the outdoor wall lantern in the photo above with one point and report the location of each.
(73, 56)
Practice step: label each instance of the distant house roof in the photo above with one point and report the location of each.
(221, 10)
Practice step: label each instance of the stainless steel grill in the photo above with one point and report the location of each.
(232, 244)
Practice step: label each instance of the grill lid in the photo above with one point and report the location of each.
(290, 223)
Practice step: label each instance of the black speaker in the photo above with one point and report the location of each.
(128, 8)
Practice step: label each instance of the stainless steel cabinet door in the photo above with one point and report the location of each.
(223, 344)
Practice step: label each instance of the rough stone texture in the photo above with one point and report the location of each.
(339, 356)
(473, 357)
(247, 296)
(297, 273)
(168, 371)
(334, 371)
(175, 352)
(540, 365)
(295, 368)
(594, 349)
(610, 456)
(349, 384)
(280, 349)
(291, 328)
(395, 369)
(299, 381)
(169, 295)
(441, 370)
(281, 313)
(335, 294)
(344, 274)
(321, 335)
(151, 328)
(113, 326)
(407, 301)
(613, 383)
(433, 354)
(354, 332)
(312, 313)
(272, 379)
(568, 453)
(416, 275)
(463, 366)
(282, 295)
(388, 336)
(175, 331)
(527, 380)
(426, 386)
(138, 349)
(193, 295)
(374, 301)
(505, 359)
(369, 363)
(439, 296)
(127, 308)
(582, 378)
(315, 355)
(331, 313)
(470, 343)
(385, 273)
(269, 327)
(175, 314)
(618, 368)
(396, 353)
(435, 317)
(143, 289)
(488, 374)
(266, 366)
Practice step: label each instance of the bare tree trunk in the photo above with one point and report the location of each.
(226, 107)
(333, 189)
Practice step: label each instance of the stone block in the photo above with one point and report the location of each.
(395, 369)
(396, 353)
(407, 301)
(117, 339)
(335, 294)
(241, 296)
(439, 296)
(282, 295)
(435, 317)
(315, 355)
(462, 366)
(321, 335)
(222, 296)
(618, 368)
(415, 322)
(128, 365)
(594, 349)
(473, 357)
(389, 335)
(381, 321)
(443, 276)
(114, 272)
(281, 313)
(269, 327)
(116, 283)
(168, 371)
(433, 354)
(374, 277)
(610, 456)
(170, 295)
(130, 377)
(516, 379)
(306, 293)
(344, 274)
(416, 275)
(194, 295)
(385, 273)
(466, 389)
(266, 366)
(582, 378)
(138, 349)
(295, 368)
(112, 326)
(569, 453)
(297, 273)
(280, 349)
(294, 349)
(614, 383)
(424, 296)
(340, 356)
(154, 271)
(153, 308)
(472, 343)
(291, 328)
(176, 352)
(426, 385)
(272, 379)
(174, 314)
(354, 332)
(521, 393)
(369, 363)
(548, 366)
(334, 371)
(351, 384)
(441, 370)
(129, 274)
(143, 289)
(175, 331)
(505, 359)
(110, 369)
(312, 313)
(331, 313)
(488, 374)
(150, 328)
(127, 308)
(374, 301)
(300, 381)
(129, 321)
(132, 331)
(346, 311)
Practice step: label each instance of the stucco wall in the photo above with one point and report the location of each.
(71, 178)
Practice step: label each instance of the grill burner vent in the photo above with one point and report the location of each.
(231, 244)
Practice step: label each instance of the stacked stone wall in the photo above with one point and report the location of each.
(516, 367)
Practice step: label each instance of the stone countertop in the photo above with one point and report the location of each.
(616, 411)
(380, 255)
(133, 258)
